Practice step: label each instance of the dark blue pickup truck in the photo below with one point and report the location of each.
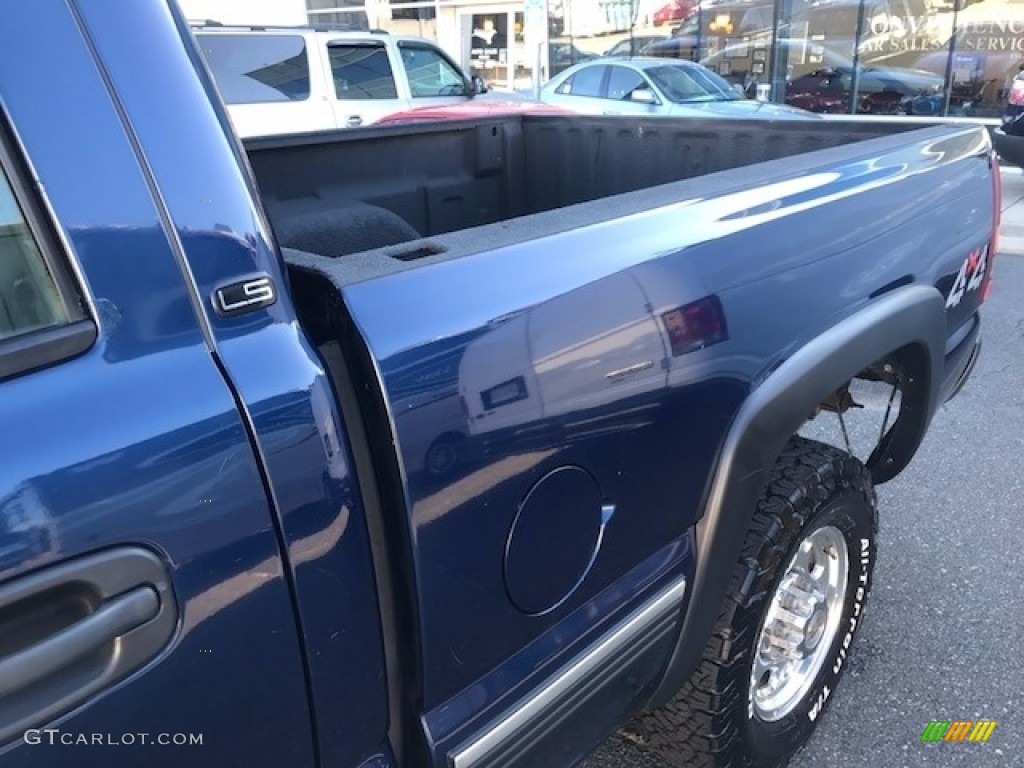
(455, 444)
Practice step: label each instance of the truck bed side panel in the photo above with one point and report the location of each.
(637, 392)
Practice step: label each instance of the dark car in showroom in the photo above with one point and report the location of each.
(1009, 137)
(634, 44)
(880, 91)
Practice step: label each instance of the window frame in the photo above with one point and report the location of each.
(376, 45)
(602, 87)
(44, 347)
(201, 35)
(415, 45)
(645, 81)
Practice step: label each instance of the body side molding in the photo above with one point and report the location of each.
(515, 722)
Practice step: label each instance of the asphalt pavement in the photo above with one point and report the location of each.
(944, 630)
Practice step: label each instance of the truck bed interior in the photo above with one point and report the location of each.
(392, 197)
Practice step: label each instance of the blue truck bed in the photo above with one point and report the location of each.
(427, 444)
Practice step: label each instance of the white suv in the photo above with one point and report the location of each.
(295, 80)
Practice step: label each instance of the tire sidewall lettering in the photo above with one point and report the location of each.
(858, 531)
(865, 558)
(861, 552)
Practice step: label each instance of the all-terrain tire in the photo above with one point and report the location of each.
(712, 723)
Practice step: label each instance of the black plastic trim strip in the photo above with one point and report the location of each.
(30, 196)
(39, 349)
(967, 369)
(399, 672)
(47, 346)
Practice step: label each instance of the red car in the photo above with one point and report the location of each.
(468, 110)
(673, 11)
(880, 91)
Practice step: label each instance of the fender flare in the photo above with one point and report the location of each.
(910, 321)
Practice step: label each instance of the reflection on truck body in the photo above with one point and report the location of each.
(615, 345)
(425, 392)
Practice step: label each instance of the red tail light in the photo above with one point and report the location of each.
(997, 216)
(1016, 97)
(695, 325)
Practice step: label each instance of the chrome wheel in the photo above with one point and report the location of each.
(800, 625)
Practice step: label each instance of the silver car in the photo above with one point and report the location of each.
(655, 86)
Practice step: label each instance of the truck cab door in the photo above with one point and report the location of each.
(312, 505)
(145, 614)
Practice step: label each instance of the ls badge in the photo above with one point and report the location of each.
(254, 292)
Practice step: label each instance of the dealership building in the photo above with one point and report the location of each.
(954, 58)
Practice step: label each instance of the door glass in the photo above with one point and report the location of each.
(623, 81)
(28, 293)
(256, 69)
(586, 82)
(430, 74)
(361, 72)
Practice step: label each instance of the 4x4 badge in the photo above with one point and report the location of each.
(970, 277)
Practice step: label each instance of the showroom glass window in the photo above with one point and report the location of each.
(880, 57)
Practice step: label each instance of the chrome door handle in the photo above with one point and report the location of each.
(353, 121)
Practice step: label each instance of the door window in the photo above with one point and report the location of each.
(586, 82)
(430, 74)
(623, 81)
(256, 69)
(42, 316)
(29, 299)
(362, 72)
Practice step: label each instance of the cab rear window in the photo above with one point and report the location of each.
(43, 316)
(29, 299)
(257, 69)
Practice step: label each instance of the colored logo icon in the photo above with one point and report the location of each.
(958, 730)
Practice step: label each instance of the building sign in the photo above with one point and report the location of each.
(535, 21)
(490, 39)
